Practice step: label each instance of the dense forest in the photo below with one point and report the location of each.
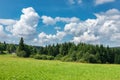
(69, 51)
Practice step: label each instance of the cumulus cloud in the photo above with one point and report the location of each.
(51, 21)
(99, 2)
(26, 26)
(67, 20)
(48, 20)
(2, 33)
(105, 28)
(7, 21)
(86, 37)
(45, 39)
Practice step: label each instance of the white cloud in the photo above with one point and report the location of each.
(105, 28)
(26, 26)
(86, 37)
(67, 20)
(48, 20)
(75, 29)
(44, 39)
(2, 33)
(51, 21)
(99, 2)
(7, 21)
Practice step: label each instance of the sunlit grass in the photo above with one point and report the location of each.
(14, 68)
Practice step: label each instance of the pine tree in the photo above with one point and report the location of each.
(21, 49)
(21, 44)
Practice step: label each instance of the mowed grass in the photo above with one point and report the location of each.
(14, 68)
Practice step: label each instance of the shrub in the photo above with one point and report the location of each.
(82, 60)
(21, 54)
(37, 56)
(43, 57)
(58, 57)
(92, 59)
(50, 57)
(66, 58)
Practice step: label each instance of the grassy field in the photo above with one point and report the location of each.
(14, 68)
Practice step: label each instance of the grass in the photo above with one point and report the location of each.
(14, 68)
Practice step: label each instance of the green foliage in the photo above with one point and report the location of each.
(58, 57)
(43, 57)
(23, 50)
(21, 54)
(81, 52)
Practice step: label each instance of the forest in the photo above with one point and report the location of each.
(68, 51)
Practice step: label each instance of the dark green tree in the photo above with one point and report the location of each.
(23, 50)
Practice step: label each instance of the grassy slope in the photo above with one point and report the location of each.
(14, 68)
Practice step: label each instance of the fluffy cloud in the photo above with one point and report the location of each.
(67, 20)
(48, 20)
(86, 37)
(105, 28)
(51, 21)
(2, 33)
(26, 26)
(99, 2)
(7, 21)
(45, 39)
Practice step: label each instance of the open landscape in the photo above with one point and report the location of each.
(15, 68)
(60, 40)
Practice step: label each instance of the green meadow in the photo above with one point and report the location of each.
(15, 68)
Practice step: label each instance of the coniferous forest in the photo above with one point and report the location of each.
(68, 51)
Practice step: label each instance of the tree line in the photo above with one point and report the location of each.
(67, 51)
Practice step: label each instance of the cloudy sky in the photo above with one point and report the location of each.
(43, 22)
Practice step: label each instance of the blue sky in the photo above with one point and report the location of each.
(43, 22)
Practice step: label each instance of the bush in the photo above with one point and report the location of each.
(22, 54)
(37, 56)
(66, 58)
(58, 57)
(43, 57)
(82, 60)
(92, 58)
(50, 57)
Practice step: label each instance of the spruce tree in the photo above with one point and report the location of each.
(21, 50)
(21, 44)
